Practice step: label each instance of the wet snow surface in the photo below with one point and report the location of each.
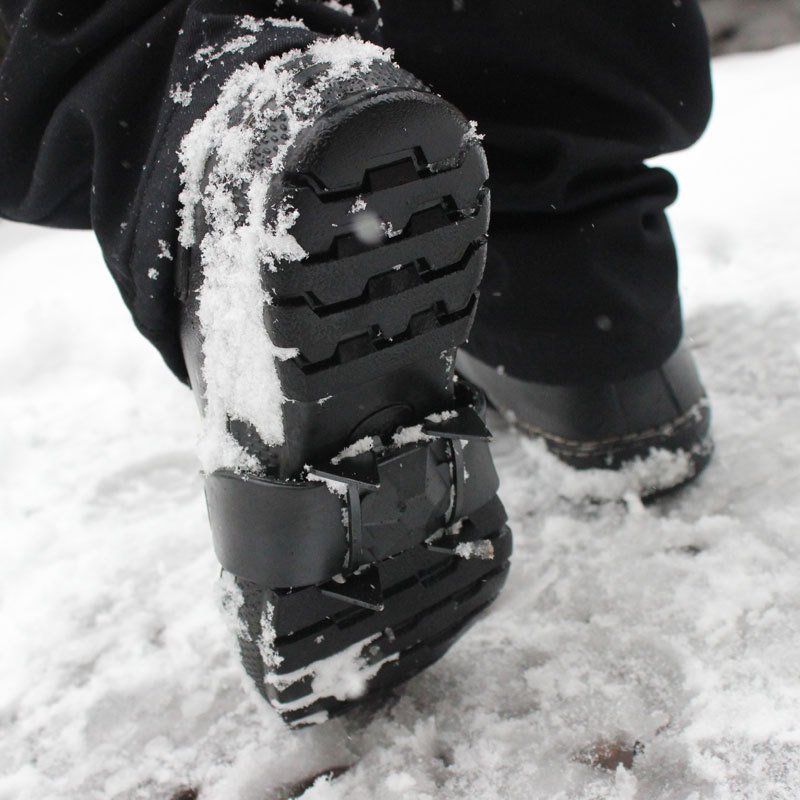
(636, 652)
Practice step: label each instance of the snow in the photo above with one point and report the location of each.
(163, 250)
(410, 435)
(250, 23)
(347, 8)
(334, 487)
(363, 445)
(667, 635)
(442, 416)
(482, 548)
(358, 205)
(343, 675)
(180, 96)
(206, 55)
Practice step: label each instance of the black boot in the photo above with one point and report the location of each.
(333, 242)
(607, 425)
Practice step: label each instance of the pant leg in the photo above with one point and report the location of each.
(93, 108)
(572, 97)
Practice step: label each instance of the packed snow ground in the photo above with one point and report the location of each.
(666, 638)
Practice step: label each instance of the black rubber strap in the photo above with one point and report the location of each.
(289, 534)
(276, 533)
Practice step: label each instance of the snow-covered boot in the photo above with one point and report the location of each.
(334, 238)
(609, 425)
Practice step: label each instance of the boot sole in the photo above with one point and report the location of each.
(376, 320)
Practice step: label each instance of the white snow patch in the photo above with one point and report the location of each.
(358, 205)
(289, 22)
(481, 548)
(389, 231)
(344, 675)
(347, 8)
(410, 435)
(334, 487)
(207, 55)
(180, 95)
(442, 416)
(365, 445)
(250, 23)
(163, 250)
(660, 470)
(266, 639)
(348, 54)
(473, 135)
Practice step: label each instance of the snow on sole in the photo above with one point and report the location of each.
(388, 186)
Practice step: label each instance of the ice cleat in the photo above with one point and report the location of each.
(609, 425)
(356, 590)
(363, 535)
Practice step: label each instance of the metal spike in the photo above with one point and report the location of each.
(360, 471)
(448, 542)
(361, 589)
(466, 425)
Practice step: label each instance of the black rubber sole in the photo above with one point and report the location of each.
(430, 600)
(688, 434)
(390, 189)
(393, 214)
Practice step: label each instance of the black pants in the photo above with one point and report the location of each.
(572, 98)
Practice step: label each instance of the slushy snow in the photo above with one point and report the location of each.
(662, 637)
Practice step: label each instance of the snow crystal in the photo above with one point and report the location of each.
(473, 135)
(334, 487)
(348, 55)
(250, 23)
(206, 55)
(289, 22)
(266, 639)
(347, 8)
(163, 250)
(359, 204)
(359, 447)
(181, 96)
(482, 548)
(442, 416)
(410, 435)
(389, 230)
(152, 273)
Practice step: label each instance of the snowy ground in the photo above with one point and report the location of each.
(738, 25)
(666, 638)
